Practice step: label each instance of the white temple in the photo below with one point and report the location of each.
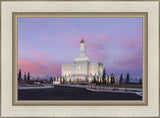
(81, 69)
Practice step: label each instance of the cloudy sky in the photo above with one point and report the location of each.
(44, 44)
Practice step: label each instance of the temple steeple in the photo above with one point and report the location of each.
(82, 47)
(82, 56)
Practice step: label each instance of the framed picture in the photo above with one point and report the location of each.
(80, 59)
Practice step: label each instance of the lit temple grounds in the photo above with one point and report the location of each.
(80, 80)
(59, 89)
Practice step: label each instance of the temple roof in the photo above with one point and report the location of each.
(82, 41)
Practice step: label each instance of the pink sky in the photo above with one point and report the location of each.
(44, 44)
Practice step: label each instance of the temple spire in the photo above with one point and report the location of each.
(82, 56)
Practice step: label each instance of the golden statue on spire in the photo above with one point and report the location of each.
(82, 41)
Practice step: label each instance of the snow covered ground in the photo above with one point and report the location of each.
(35, 87)
(137, 91)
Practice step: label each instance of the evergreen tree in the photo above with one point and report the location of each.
(100, 82)
(121, 78)
(60, 79)
(86, 79)
(140, 80)
(25, 77)
(54, 79)
(51, 80)
(127, 78)
(104, 77)
(94, 79)
(64, 81)
(112, 79)
(19, 75)
(28, 77)
(108, 79)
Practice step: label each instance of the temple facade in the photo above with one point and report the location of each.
(82, 69)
